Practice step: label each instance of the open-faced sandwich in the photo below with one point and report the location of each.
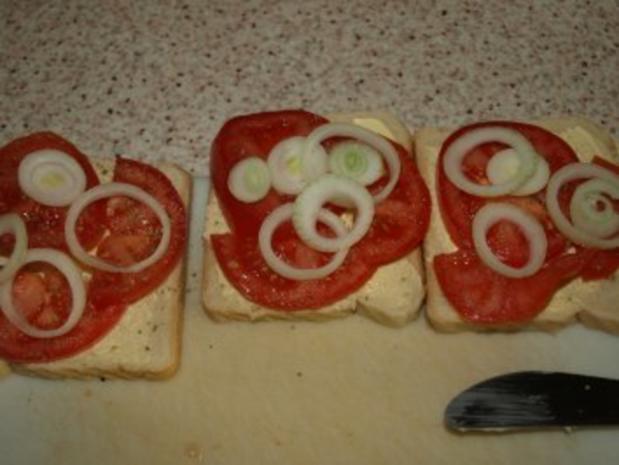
(312, 217)
(525, 226)
(92, 255)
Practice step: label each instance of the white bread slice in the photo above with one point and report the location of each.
(145, 343)
(595, 303)
(392, 296)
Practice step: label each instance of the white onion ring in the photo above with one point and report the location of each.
(585, 214)
(13, 223)
(107, 190)
(283, 181)
(490, 214)
(308, 204)
(569, 173)
(390, 155)
(270, 224)
(458, 149)
(36, 165)
(78, 294)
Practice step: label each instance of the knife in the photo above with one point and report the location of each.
(535, 399)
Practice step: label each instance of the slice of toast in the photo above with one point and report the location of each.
(145, 343)
(594, 303)
(392, 296)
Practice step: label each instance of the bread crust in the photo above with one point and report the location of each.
(593, 303)
(404, 278)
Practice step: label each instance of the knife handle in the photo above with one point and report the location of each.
(584, 400)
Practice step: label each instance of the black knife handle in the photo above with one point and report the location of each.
(536, 399)
(577, 399)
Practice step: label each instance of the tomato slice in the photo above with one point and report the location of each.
(400, 221)
(253, 135)
(42, 295)
(484, 297)
(399, 225)
(244, 266)
(458, 208)
(45, 225)
(135, 233)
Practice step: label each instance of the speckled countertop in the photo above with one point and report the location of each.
(156, 79)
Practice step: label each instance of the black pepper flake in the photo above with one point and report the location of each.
(299, 374)
(444, 13)
(147, 348)
(103, 379)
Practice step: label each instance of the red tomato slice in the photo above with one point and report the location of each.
(244, 266)
(399, 225)
(458, 208)
(42, 295)
(400, 221)
(484, 297)
(135, 233)
(45, 224)
(253, 135)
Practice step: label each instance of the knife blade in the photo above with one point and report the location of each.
(535, 399)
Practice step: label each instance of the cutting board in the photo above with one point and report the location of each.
(344, 392)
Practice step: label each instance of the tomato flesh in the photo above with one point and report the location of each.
(485, 297)
(45, 225)
(244, 266)
(135, 234)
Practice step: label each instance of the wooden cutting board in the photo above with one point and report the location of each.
(344, 392)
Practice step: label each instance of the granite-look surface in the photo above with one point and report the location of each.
(155, 79)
